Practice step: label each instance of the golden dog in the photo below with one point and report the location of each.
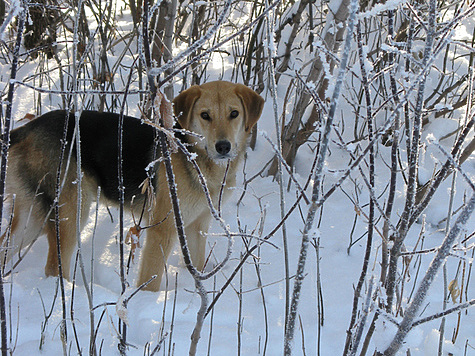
(221, 113)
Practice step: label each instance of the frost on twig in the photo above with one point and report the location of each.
(309, 221)
(412, 311)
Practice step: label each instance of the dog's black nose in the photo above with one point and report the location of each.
(223, 147)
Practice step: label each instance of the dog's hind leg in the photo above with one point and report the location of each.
(24, 228)
(67, 243)
(5, 240)
(67, 231)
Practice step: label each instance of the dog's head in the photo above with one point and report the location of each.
(223, 113)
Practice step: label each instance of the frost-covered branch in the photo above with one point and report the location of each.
(351, 345)
(413, 161)
(21, 11)
(156, 72)
(121, 190)
(217, 45)
(428, 190)
(446, 312)
(412, 310)
(280, 179)
(80, 91)
(454, 164)
(309, 221)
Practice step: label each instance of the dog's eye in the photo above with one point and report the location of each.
(205, 116)
(234, 114)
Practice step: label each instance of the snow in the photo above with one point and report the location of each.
(145, 311)
(257, 319)
(379, 8)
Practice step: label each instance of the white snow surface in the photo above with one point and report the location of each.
(27, 289)
(31, 296)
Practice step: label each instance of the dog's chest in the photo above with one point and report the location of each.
(196, 189)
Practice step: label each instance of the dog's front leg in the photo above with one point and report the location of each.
(196, 239)
(158, 245)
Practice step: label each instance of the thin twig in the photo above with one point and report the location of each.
(412, 310)
(444, 313)
(22, 10)
(353, 340)
(280, 178)
(309, 221)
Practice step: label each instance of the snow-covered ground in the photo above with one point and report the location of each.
(31, 295)
(249, 317)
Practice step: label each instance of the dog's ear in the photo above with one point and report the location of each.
(183, 105)
(253, 104)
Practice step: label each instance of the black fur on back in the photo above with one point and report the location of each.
(99, 148)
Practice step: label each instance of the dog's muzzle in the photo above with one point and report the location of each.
(223, 147)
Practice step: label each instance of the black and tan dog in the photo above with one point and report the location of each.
(222, 113)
